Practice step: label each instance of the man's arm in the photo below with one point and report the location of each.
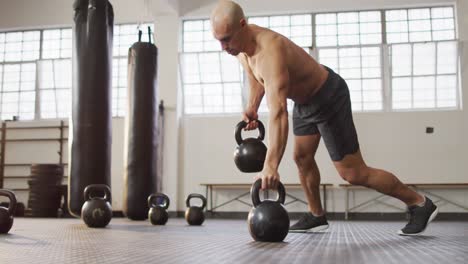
(276, 79)
(257, 91)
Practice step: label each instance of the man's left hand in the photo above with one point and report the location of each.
(270, 178)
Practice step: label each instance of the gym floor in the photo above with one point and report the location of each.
(33, 240)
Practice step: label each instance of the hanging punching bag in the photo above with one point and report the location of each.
(141, 133)
(90, 129)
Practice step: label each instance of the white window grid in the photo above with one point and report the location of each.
(18, 90)
(197, 36)
(361, 67)
(420, 24)
(19, 46)
(47, 51)
(348, 28)
(55, 81)
(297, 28)
(355, 29)
(56, 43)
(20, 54)
(212, 83)
(119, 86)
(427, 78)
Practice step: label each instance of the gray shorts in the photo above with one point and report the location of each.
(328, 112)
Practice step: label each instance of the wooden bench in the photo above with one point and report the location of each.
(420, 187)
(209, 187)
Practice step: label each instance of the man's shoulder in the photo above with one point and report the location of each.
(273, 46)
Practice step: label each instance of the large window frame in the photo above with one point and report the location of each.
(385, 56)
(55, 45)
(16, 59)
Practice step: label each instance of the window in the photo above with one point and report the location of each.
(207, 72)
(298, 28)
(57, 43)
(18, 51)
(212, 83)
(424, 75)
(54, 88)
(124, 37)
(212, 80)
(119, 86)
(361, 68)
(421, 71)
(47, 54)
(424, 67)
(18, 91)
(420, 24)
(19, 46)
(197, 36)
(350, 44)
(2, 47)
(348, 28)
(55, 73)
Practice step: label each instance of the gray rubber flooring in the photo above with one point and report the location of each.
(227, 241)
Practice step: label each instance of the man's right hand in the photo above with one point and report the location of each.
(250, 117)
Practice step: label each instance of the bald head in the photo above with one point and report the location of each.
(229, 26)
(227, 14)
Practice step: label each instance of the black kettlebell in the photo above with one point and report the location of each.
(194, 214)
(97, 210)
(6, 214)
(157, 213)
(250, 153)
(268, 220)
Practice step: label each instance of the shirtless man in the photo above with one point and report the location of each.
(279, 69)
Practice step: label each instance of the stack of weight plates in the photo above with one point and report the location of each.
(45, 190)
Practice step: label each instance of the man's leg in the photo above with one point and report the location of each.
(353, 169)
(335, 124)
(309, 174)
(304, 152)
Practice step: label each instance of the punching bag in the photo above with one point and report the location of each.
(90, 129)
(141, 129)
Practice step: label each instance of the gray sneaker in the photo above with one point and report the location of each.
(309, 223)
(420, 217)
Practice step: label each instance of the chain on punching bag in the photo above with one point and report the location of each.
(141, 133)
(90, 130)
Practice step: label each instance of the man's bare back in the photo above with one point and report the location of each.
(306, 76)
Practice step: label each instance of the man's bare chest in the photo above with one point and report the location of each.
(255, 67)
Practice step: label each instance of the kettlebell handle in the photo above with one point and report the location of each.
(242, 124)
(195, 195)
(255, 193)
(11, 195)
(152, 199)
(97, 187)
